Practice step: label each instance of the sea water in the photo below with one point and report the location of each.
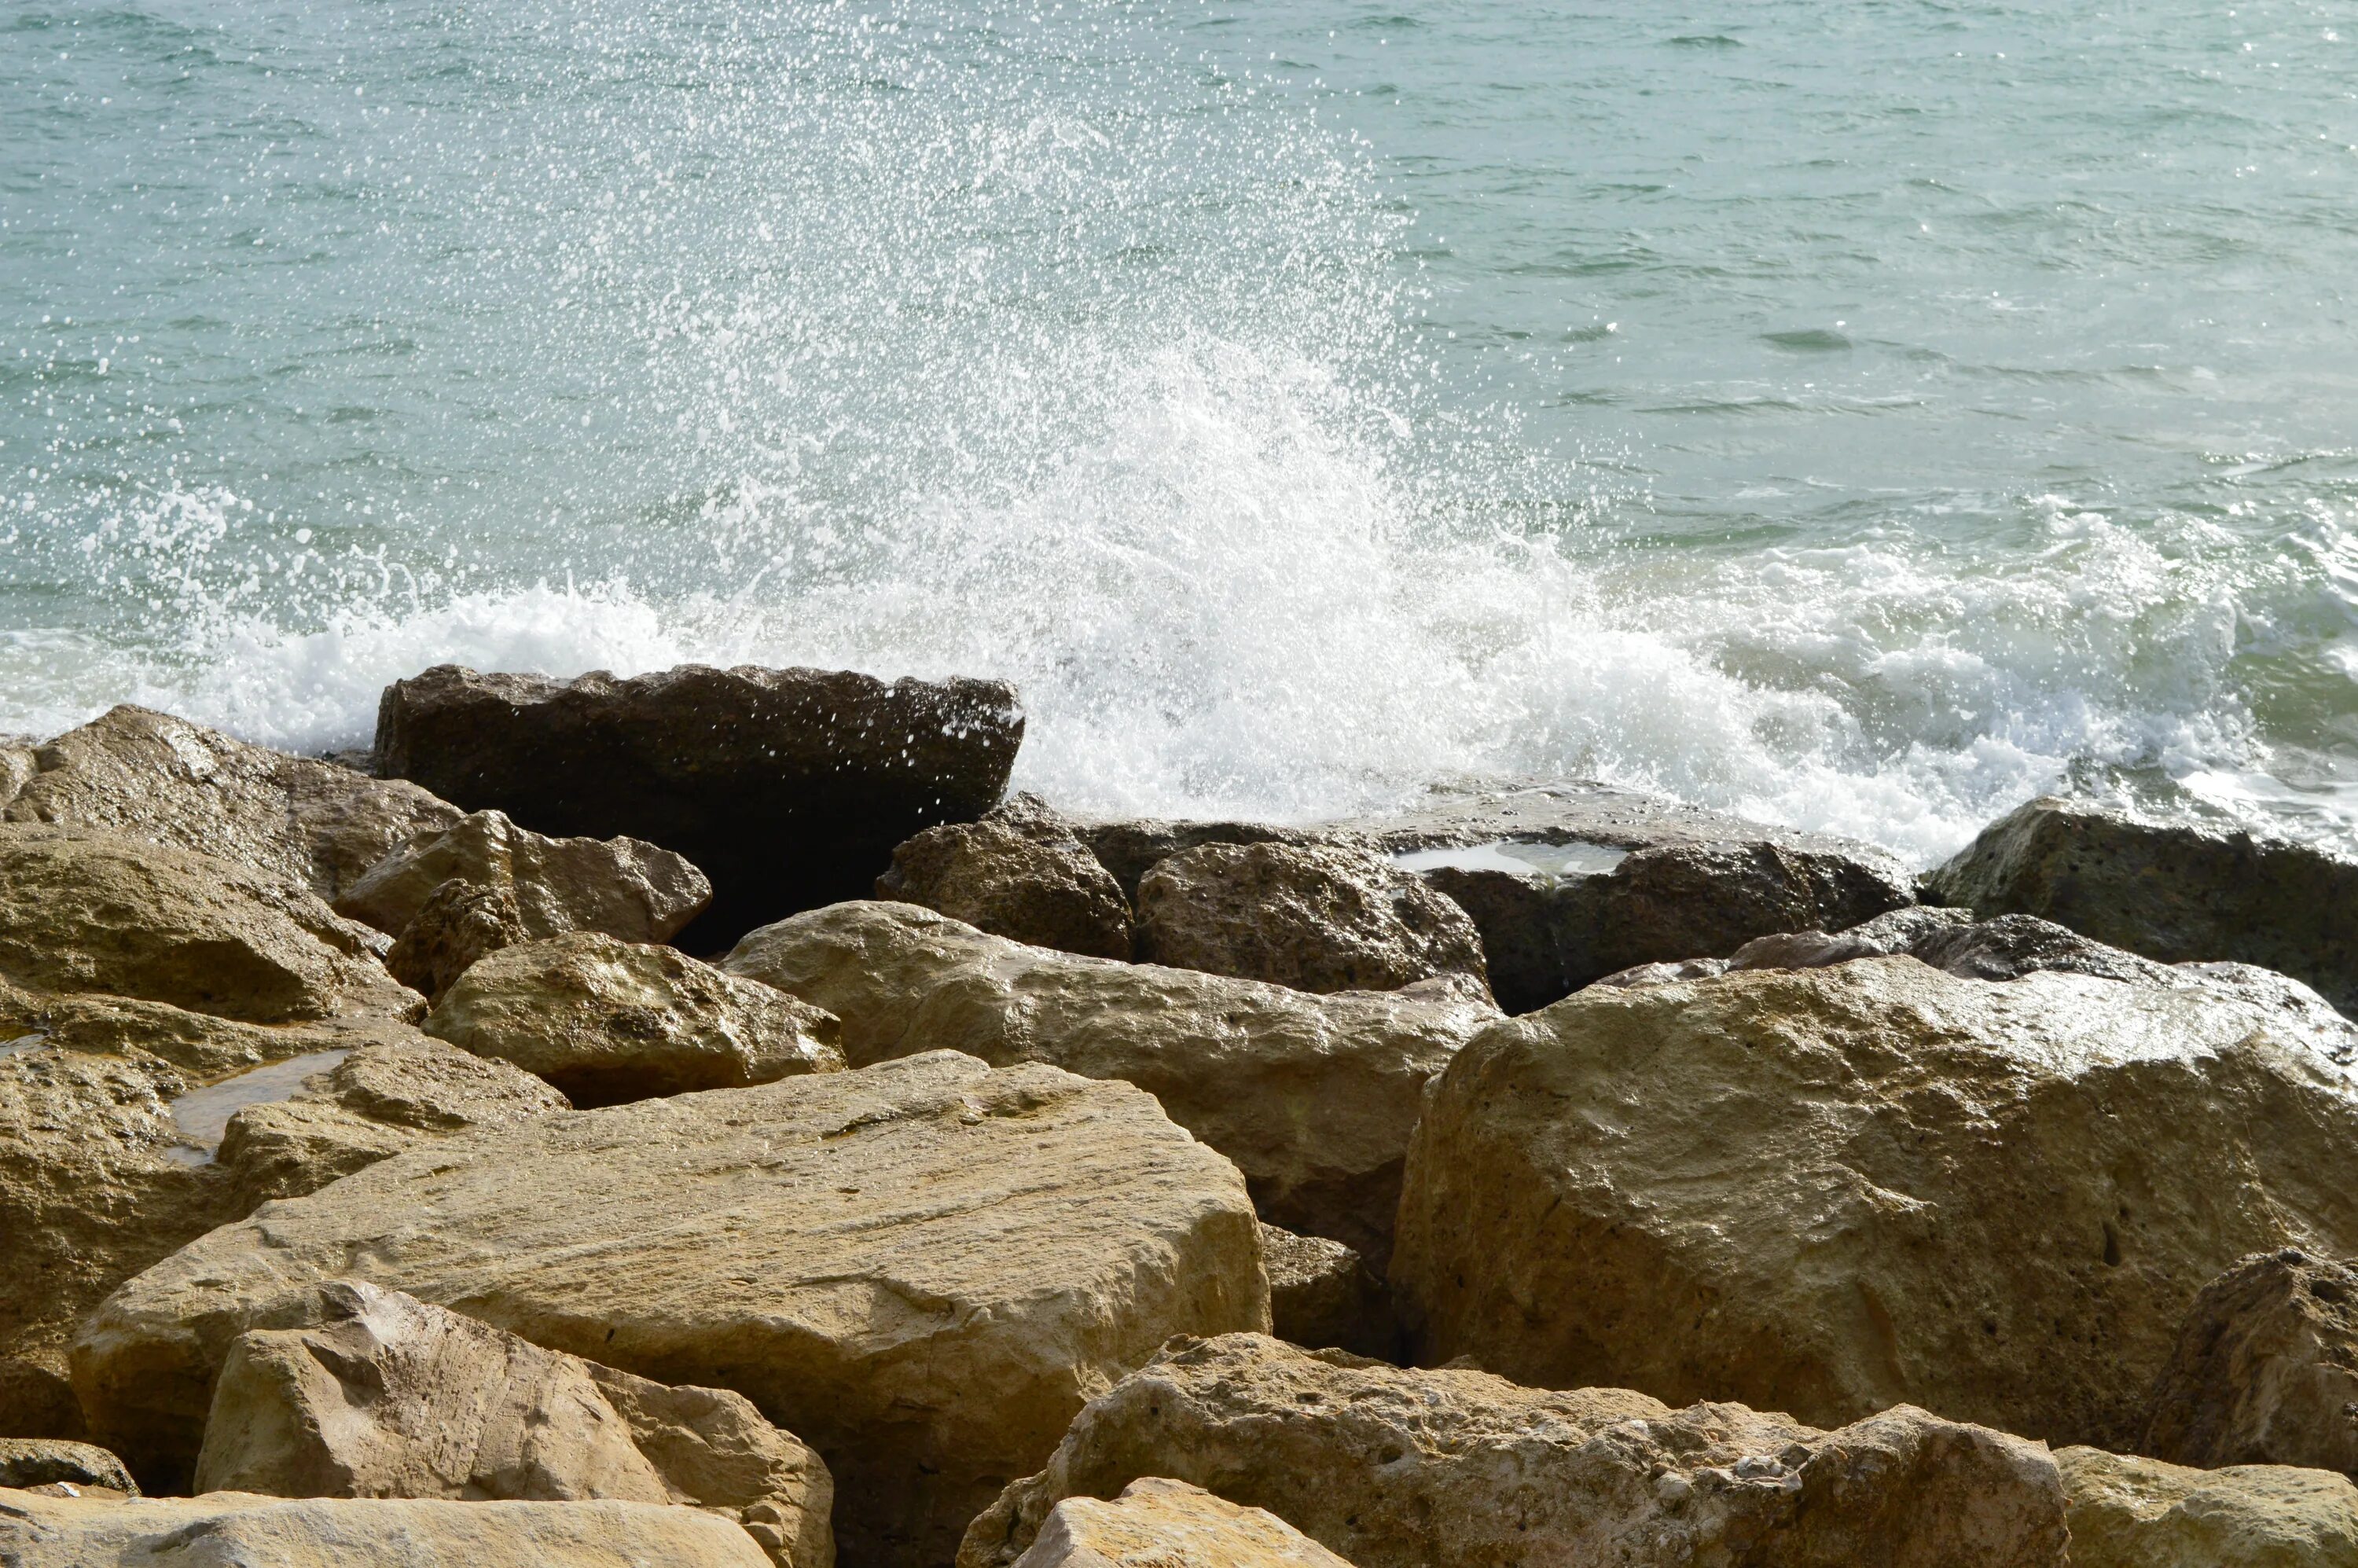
(1860, 416)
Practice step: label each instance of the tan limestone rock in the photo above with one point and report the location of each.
(622, 887)
(1321, 1293)
(459, 924)
(380, 1395)
(607, 1022)
(81, 911)
(45, 1462)
(1459, 1469)
(923, 1269)
(1831, 1191)
(1021, 874)
(230, 1529)
(1322, 918)
(2142, 1513)
(2264, 1371)
(1169, 1524)
(129, 1129)
(150, 775)
(1312, 1096)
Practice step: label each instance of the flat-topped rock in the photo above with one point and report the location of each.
(380, 1395)
(2175, 892)
(788, 787)
(1312, 1096)
(83, 912)
(130, 1129)
(2264, 1370)
(1831, 1191)
(1317, 918)
(923, 1269)
(607, 1022)
(1171, 1525)
(1434, 1469)
(152, 776)
(1021, 874)
(229, 1529)
(2141, 1513)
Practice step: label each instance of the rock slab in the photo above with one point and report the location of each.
(1314, 1098)
(2141, 1513)
(607, 1022)
(1459, 1469)
(45, 1462)
(1169, 1524)
(2178, 892)
(1832, 1191)
(382, 1396)
(923, 1269)
(788, 787)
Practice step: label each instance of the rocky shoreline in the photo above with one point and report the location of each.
(704, 1120)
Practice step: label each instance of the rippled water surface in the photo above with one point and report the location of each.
(1862, 416)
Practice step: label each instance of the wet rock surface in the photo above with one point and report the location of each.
(459, 924)
(1832, 1191)
(1318, 919)
(1021, 874)
(2128, 1512)
(1422, 1469)
(2264, 1370)
(922, 1268)
(1312, 1096)
(2176, 892)
(607, 1022)
(789, 788)
(152, 776)
(379, 1395)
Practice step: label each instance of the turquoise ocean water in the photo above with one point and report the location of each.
(1861, 416)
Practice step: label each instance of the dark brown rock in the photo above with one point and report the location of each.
(45, 1462)
(1020, 873)
(1317, 918)
(788, 787)
(458, 924)
(2265, 1372)
(2175, 892)
(1321, 1294)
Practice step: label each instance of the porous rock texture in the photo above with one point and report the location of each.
(1460, 1469)
(788, 787)
(47, 1461)
(1312, 1096)
(1021, 874)
(82, 910)
(923, 1269)
(152, 776)
(607, 1022)
(459, 924)
(1831, 1191)
(622, 887)
(1321, 1293)
(380, 1395)
(1316, 918)
(2265, 1370)
(128, 1129)
(1169, 1524)
(2175, 892)
(230, 1529)
(2128, 1512)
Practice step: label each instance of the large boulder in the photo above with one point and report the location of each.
(923, 1269)
(83, 912)
(1439, 1470)
(229, 1529)
(2264, 1371)
(380, 1395)
(129, 1129)
(788, 787)
(607, 1022)
(1021, 874)
(1169, 1524)
(149, 775)
(2141, 1513)
(1312, 1096)
(620, 887)
(1318, 918)
(1834, 1190)
(2175, 892)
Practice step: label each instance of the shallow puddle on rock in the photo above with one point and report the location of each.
(202, 1115)
(1517, 857)
(23, 1043)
